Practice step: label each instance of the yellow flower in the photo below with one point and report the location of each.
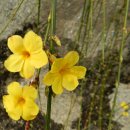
(27, 54)
(20, 102)
(124, 105)
(126, 114)
(64, 74)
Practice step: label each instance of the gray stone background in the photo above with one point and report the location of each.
(18, 15)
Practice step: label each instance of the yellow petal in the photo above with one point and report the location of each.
(70, 82)
(32, 42)
(29, 92)
(57, 85)
(12, 108)
(16, 113)
(78, 71)
(14, 63)
(9, 102)
(14, 89)
(15, 44)
(49, 78)
(27, 70)
(30, 110)
(39, 59)
(57, 65)
(72, 58)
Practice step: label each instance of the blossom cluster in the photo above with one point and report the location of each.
(28, 55)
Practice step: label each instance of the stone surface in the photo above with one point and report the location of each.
(68, 20)
(122, 96)
(15, 14)
(10, 21)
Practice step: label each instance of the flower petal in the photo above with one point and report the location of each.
(39, 59)
(72, 58)
(30, 110)
(15, 44)
(32, 42)
(15, 89)
(57, 65)
(10, 104)
(14, 63)
(49, 78)
(16, 113)
(57, 85)
(29, 92)
(78, 71)
(27, 70)
(70, 82)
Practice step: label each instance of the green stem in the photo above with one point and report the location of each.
(104, 28)
(100, 120)
(48, 114)
(88, 120)
(82, 21)
(39, 70)
(52, 29)
(103, 51)
(53, 22)
(120, 64)
(47, 32)
(91, 19)
(38, 18)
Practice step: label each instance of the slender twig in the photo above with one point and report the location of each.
(86, 28)
(91, 107)
(82, 21)
(39, 70)
(104, 28)
(53, 22)
(52, 32)
(120, 64)
(103, 50)
(89, 27)
(47, 31)
(91, 19)
(101, 104)
(38, 16)
(48, 114)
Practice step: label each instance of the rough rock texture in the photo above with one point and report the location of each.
(123, 96)
(15, 14)
(16, 19)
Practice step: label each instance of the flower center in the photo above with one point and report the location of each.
(26, 54)
(62, 71)
(21, 101)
